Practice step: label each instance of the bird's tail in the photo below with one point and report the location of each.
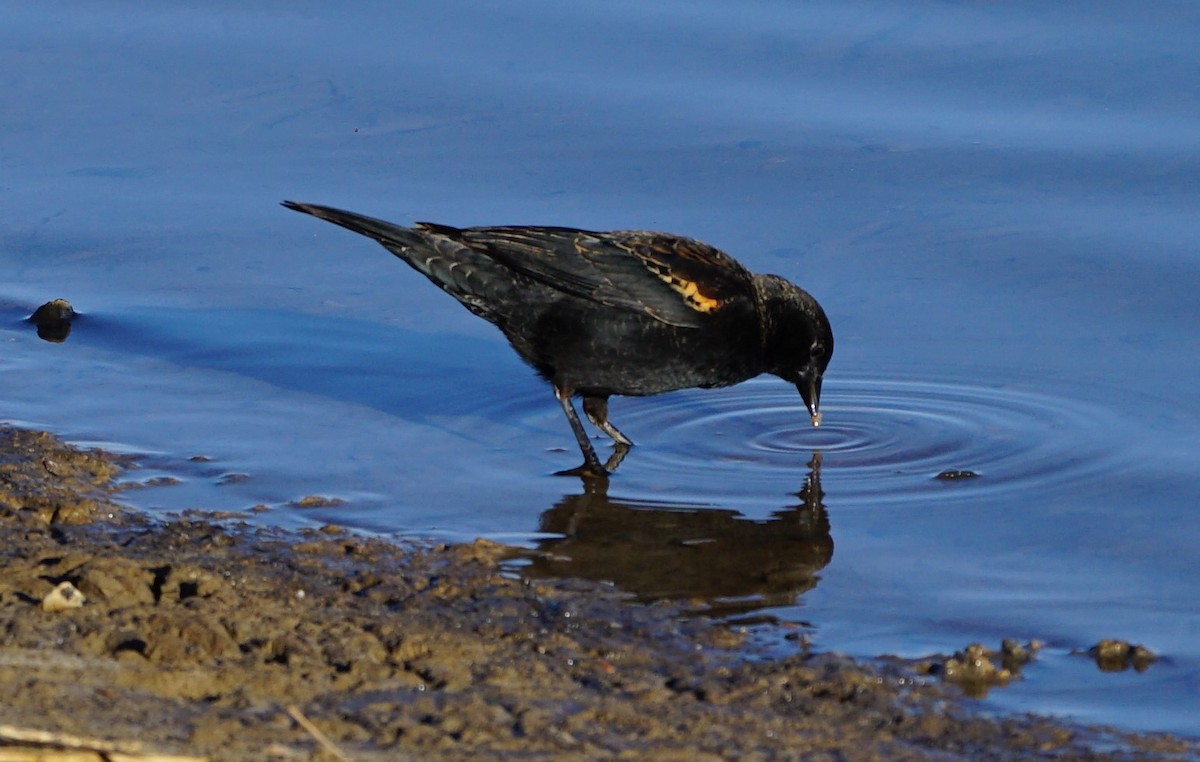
(470, 276)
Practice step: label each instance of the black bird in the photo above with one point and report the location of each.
(625, 312)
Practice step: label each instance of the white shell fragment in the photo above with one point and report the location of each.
(65, 596)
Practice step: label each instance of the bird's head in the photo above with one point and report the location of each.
(796, 338)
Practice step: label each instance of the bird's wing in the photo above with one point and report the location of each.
(676, 280)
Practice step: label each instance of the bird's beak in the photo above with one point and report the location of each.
(810, 391)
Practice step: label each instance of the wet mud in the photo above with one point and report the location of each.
(208, 637)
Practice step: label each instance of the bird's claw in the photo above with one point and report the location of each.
(587, 472)
(591, 470)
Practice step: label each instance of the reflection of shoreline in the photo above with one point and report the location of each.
(716, 558)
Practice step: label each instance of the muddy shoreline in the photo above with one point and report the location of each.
(219, 640)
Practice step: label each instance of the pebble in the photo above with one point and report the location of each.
(65, 596)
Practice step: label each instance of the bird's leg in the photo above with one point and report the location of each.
(591, 464)
(596, 409)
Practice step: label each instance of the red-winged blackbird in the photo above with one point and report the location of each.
(625, 312)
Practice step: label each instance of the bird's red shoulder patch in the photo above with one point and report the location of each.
(690, 290)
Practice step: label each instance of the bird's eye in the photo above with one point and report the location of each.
(818, 350)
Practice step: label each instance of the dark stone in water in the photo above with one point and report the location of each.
(953, 475)
(53, 320)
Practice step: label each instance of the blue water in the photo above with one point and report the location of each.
(997, 204)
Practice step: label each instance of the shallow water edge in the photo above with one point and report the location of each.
(206, 636)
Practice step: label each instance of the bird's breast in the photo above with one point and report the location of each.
(611, 351)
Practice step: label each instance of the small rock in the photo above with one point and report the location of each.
(1014, 655)
(1114, 655)
(974, 665)
(952, 475)
(317, 501)
(481, 550)
(976, 671)
(53, 320)
(65, 596)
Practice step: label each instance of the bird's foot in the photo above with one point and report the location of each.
(587, 472)
(592, 470)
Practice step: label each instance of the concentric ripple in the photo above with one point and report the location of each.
(880, 439)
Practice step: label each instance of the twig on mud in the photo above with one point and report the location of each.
(295, 713)
(102, 748)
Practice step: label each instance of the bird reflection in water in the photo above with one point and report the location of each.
(716, 559)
